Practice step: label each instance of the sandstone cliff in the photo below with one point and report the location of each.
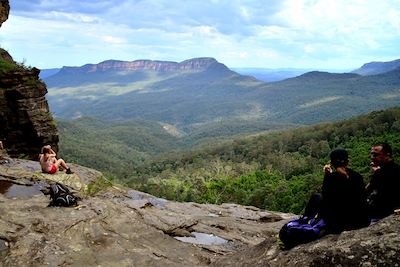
(26, 123)
(4, 11)
(196, 64)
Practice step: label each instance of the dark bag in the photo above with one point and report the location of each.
(300, 231)
(61, 196)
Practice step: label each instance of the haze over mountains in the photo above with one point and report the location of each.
(271, 75)
(262, 74)
(202, 91)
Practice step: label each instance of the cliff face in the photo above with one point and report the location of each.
(26, 123)
(4, 10)
(197, 64)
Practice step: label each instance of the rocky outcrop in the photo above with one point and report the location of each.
(26, 123)
(117, 226)
(24, 112)
(196, 64)
(4, 10)
(376, 245)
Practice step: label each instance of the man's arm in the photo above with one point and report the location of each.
(51, 151)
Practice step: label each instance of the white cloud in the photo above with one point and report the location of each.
(309, 49)
(205, 30)
(245, 12)
(239, 33)
(73, 17)
(112, 39)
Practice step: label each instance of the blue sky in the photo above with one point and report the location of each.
(316, 34)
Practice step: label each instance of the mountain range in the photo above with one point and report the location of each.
(270, 75)
(201, 92)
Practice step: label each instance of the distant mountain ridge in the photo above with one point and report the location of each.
(196, 64)
(377, 67)
(44, 73)
(127, 72)
(325, 75)
(271, 75)
(200, 64)
(202, 91)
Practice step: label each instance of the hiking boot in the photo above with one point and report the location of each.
(69, 171)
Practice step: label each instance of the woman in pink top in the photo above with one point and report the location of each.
(50, 163)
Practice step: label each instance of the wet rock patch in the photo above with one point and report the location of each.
(13, 190)
(3, 245)
(202, 239)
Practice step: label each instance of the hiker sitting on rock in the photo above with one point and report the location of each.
(344, 205)
(50, 163)
(341, 206)
(382, 190)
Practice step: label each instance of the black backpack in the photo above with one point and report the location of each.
(61, 196)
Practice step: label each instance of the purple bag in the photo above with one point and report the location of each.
(300, 231)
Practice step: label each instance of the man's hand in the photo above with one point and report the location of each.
(328, 168)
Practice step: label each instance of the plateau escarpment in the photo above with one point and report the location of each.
(198, 64)
(202, 91)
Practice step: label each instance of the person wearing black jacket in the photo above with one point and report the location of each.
(383, 188)
(342, 204)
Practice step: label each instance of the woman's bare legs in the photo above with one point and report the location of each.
(61, 162)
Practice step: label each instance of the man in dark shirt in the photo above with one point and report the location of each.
(383, 189)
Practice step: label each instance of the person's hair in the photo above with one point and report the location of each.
(45, 150)
(339, 160)
(386, 148)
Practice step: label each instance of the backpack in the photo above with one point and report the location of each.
(61, 196)
(300, 231)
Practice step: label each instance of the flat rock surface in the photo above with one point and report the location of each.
(119, 226)
(122, 227)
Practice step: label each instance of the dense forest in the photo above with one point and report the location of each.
(119, 147)
(277, 170)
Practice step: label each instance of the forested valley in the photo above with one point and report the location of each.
(276, 170)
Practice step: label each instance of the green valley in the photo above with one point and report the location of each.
(276, 170)
(198, 131)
